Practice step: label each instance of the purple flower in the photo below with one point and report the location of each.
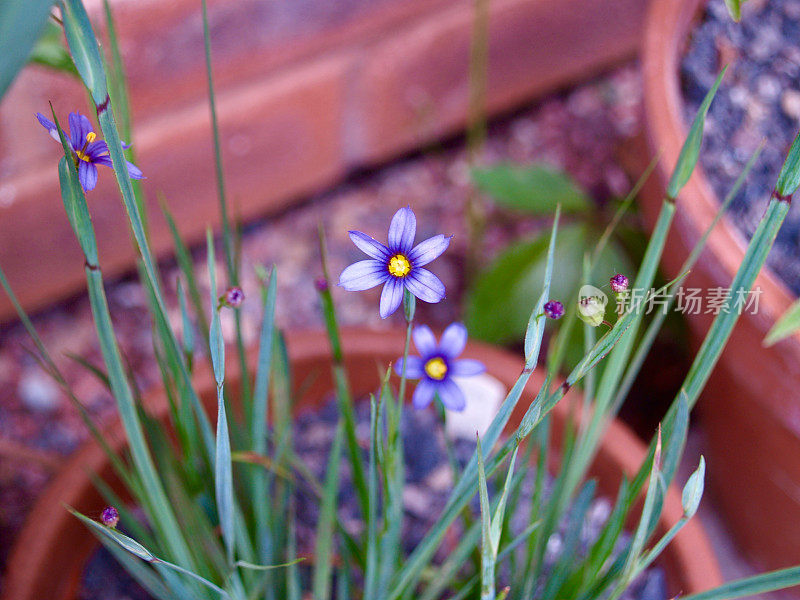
(619, 283)
(437, 365)
(554, 309)
(88, 150)
(109, 517)
(398, 266)
(233, 297)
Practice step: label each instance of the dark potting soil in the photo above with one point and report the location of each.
(759, 99)
(428, 483)
(105, 579)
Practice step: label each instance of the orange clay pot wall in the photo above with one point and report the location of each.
(52, 550)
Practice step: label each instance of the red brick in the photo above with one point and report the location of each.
(414, 87)
(295, 116)
(281, 139)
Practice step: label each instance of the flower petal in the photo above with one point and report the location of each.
(402, 231)
(363, 275)
(79, 128)
(133, 171)
(95, 149)
(49, 125)
(466, 367)
(425, 285)
(391, 296)
(369, 246)
(414, 367)
(87, 175)
(451, 395)
(424, 341)
(454, 339)
(423, 394)
(429, 250)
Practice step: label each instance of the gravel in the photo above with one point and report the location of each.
(759, 99)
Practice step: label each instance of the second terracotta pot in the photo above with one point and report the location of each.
(750, 407)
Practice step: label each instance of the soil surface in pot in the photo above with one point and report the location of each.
(759, 99)
(429, 480)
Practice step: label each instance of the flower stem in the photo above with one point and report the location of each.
(409, 308)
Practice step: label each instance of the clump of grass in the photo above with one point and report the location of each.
(219, 501)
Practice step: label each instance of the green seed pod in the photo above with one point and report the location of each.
(592, 305)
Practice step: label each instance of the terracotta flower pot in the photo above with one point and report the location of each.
(750, 407)
(52, 550)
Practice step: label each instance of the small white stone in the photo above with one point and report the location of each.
(769, 87)
(484, 394)
(416, 500)
(38, 392)
(790, 103)
(441, 479)
(553, 549)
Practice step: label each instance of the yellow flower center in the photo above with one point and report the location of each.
(399, 266)
(81, 154)
(436, 368)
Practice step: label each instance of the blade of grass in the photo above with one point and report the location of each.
(21, 24)
(487, 554)
(343, 395)
(260, 415)
(228, 233)
(141, 552)
(654, 327)
(322, 582)
(371, 575)
(187, 329)
(120, 98)
(687, 159)
(786, 326)
(223, 466)
(184, 259)
(751, 586)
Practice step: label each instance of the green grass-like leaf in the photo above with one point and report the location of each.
(735, 8)
(786, 326)
(487, 551)
(21, 25)
(536, 189)
(322, 582)
(223, 466)
(691, 147)
(49, 51)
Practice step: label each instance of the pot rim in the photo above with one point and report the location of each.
(48, 536)
(666, 28)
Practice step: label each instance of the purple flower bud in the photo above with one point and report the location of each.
(554, 309)
(619, 283)
(109, 517)
(234, 297)
(321, 284)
